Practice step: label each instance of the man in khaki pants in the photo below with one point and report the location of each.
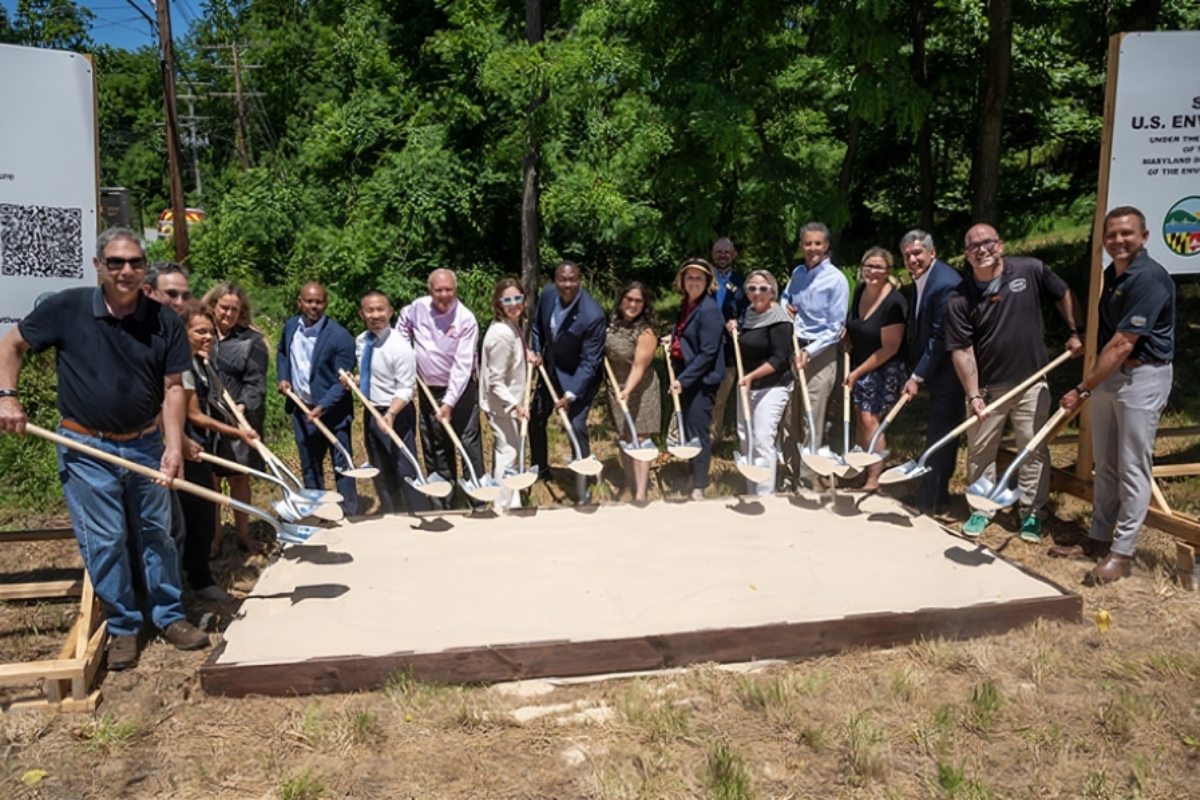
(995, 335)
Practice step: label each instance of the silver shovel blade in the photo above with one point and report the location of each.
(516, 481)
(361, 473)
(295, 534)
(756, 472)
(434, 486)
(685, 451)
(646, 451)
(983, 495)
(823, 462)
(905, 472)
(860, 460)
(586, 466)
(481, 491)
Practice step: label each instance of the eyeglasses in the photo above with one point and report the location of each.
(876, 267)
(757, 289)
(986, 244)
(115, 264)
(176, 294)
(512, 301)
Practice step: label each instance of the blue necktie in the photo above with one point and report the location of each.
(364, 368)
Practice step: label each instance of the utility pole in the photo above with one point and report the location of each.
(192, 139)
(174, 168)
(239, 95)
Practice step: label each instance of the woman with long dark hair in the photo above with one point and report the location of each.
(503, 369)
(629, 347)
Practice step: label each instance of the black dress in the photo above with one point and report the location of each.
(241, 360)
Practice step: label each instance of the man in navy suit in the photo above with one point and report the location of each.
(311, 352)
(731, 299)
(934, 281)
(569, 329)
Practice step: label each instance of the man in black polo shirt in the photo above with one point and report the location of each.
(121, 357)
(1129, 385)
(995, 335)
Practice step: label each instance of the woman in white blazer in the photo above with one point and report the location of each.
(502, 371)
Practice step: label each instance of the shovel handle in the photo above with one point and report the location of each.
(530, 376)
(845, 388)
(149, 472)
(741, 373)
(370, 407)
(562, 412)
(891, 415)
(671, 375)
(1011, 393)
(1048, 429)
(616, 386)
(800, 376)
(258, 444)
(317, 422)
(433, 406)
(226, 463)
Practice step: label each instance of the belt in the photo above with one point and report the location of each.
(1133, 363)
(112, 437)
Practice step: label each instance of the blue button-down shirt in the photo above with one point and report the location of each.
(821, 297)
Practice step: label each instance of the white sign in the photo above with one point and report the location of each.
(47, 176)
(1156, 143)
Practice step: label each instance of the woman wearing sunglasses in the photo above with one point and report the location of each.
(875, 331)
(502, 374)
(629, 347)
(765, 338)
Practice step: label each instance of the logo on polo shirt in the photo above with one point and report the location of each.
(1138, 322)
(1017, 285)
(1181, 227)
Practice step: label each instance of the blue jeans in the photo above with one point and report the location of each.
(111, 508)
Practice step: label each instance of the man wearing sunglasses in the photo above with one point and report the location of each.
(167, 282)
(120, 362)
(996, 337)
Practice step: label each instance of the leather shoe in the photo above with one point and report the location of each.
(185, 636)
(122, 651)
(1114, 567)
(1088, 550)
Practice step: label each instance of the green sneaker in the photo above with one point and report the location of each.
(975, 525)
(1031, 529)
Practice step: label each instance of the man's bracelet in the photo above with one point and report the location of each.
(8, 393)
(974, 397)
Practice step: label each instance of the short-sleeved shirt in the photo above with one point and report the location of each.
(110, 371)
(1140, 301)
(1004, 324)
(866, 335)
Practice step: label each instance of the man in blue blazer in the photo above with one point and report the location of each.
(310, 353)
(569, 329)
(730, 295)
(934, 281)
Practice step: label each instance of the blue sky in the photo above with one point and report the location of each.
(119, 25)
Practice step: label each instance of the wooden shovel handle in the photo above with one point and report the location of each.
(554, 395)
(320, 425)
(433, 406)
(224, 462)
(671, 376)
(1013, 392)
(845, 386)
(258, 444)
(895, 409)
(741, 373)
(616, 386)
(800, 376)
(149, 472)
(1049, 428)
(530, 375)
(369, 406)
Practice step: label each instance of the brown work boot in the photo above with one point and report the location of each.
(185, 636)
(1114, 567)
(1088, 550)
(122, 651)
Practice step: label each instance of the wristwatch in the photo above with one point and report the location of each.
(8, 393)
(1083, 393)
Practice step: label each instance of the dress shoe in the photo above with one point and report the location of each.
(1088, 550)
(1114, 567)
(185, 636)
(122, 651)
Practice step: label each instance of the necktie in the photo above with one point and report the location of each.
(364, 368)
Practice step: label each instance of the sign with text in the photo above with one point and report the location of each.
(47, 176)
(1156, 143)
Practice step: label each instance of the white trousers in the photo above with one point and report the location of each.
(506, 433)
(767, 407)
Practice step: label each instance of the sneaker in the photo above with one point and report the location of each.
(214, 593)
(975, 525)
(122, 651)
(1031, 529)
(185, 636)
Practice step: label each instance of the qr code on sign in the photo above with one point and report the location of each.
(41, 242)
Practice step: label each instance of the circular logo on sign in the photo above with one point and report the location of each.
(1181, 228)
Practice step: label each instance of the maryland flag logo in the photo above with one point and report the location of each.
(1181, 228)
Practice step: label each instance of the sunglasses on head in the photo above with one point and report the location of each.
(512, 301)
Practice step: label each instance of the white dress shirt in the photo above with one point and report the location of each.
(393, 367)
(304, 342)
(821, 297)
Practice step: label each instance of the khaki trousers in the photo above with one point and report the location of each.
(1028, 413)
(822, 381)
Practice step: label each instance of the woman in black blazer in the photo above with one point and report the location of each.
(696, 348)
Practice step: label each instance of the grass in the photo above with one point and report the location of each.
(984, 708)
(727, 777)
(867, 753)
(308, 785)
(106, 734)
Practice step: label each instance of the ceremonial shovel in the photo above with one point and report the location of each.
(915, 469)
(860, 460)
(683, 447)
(435, 485)
(484, 490)
(644, 450)
(583, 466)
(513, 480)
(286, 532)
(358, 473)
(808, 450)
(293, 507)
(755, 470)
(274, 462)
(983, 495)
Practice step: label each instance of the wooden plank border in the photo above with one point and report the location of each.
(487, 664)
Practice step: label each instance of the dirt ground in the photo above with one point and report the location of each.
(1053, 710)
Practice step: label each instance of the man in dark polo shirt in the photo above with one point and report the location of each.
(995, 335)
(1129, 385)
(121, 357)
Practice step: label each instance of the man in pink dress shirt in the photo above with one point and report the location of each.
(444, 335)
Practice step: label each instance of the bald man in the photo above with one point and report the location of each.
(311, 351)
(996, 338)
(731, 299)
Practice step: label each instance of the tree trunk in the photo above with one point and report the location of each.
(845, 179)
(530, 216)
(925, 180)
(985, 170)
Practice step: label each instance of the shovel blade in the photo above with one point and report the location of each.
(818, 462)
(756, 472)
(319, 496)
(433, 486)
(905, 472)
(860, 460)
(646, 451)
(361, 473)
(984, 495)
(586, 466)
